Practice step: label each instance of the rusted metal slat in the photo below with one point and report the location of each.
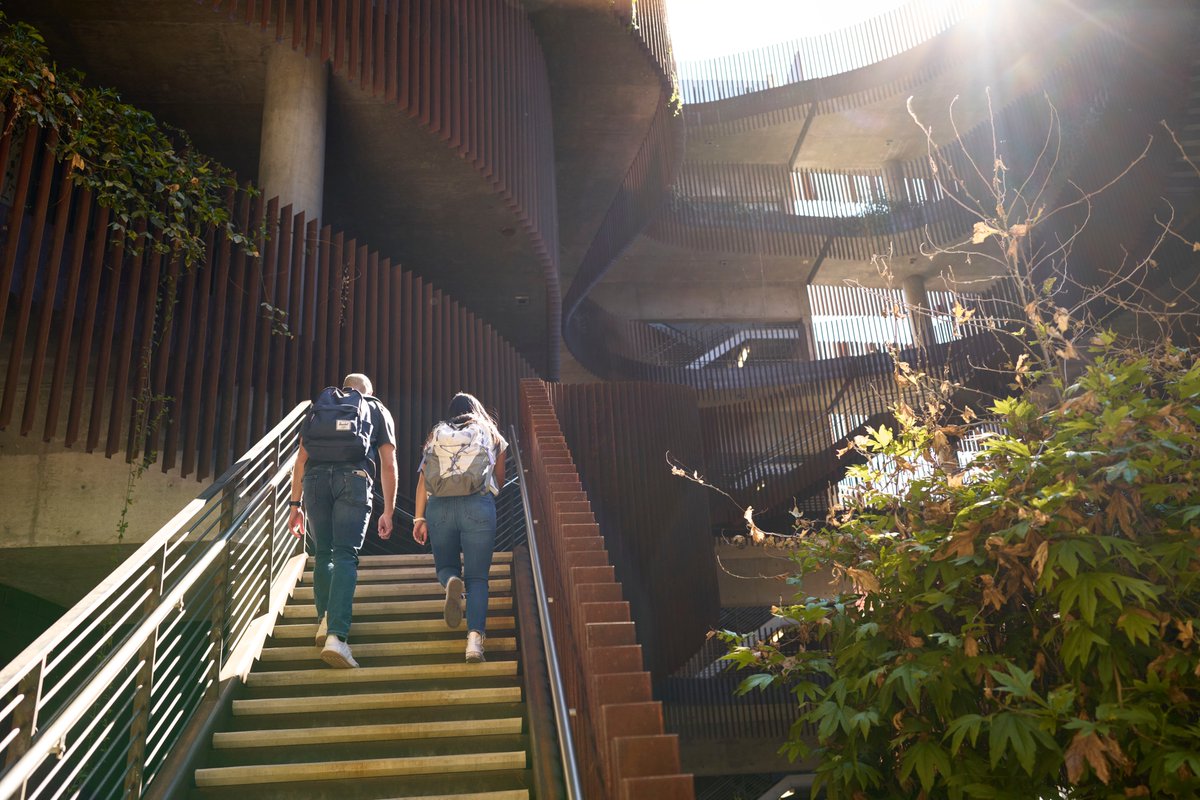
(41, 206)
(243, 333)
(129, 308)
(83, 209)
(37, 366)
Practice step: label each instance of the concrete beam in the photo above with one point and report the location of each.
(660, 303)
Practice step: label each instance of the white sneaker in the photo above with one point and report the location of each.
(337, 654)
(453, 612)
(322, 631)
(475, 647)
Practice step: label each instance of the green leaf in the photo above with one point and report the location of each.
(759, 681)
(968, 725)
(929, 759)
(1137, 628)
(1010, 731)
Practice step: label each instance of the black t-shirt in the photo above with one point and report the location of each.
(383, 431)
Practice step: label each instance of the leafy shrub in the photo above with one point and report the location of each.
(1025, 628)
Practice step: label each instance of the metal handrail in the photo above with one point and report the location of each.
(566, 743)
(163, 619)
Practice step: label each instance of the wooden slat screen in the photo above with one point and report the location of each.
(108, 327)
(470, 71)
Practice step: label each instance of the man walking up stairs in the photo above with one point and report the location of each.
(413, 721)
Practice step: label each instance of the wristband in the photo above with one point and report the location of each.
(294, 503)
(418, 519)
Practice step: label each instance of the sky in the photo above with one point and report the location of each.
(709, 28)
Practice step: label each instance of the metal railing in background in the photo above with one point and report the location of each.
(869, 42)
(558, 694)
(92, 708)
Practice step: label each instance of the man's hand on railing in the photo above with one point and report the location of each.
(296, 523)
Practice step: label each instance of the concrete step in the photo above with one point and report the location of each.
(409, 607)
(336, 734)
(516, 794)
(491, 785)
(403, 627)
(412, 559)
(430, 589)
(359, 768)
(415, 747)
(381, 649)
(418, 672)
(376, 700)
(402, 573)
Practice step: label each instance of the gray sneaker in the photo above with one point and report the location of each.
(337, 654)
(322, 631)
(474, 647)
(453, 612)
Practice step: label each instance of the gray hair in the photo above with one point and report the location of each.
(356, 380)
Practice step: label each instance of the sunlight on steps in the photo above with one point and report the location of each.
(414, 721)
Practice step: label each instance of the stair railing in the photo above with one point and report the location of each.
(95, 705)
(566, 743)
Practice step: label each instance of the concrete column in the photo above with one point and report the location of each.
(291, 162)
(916, 299)
(894, 189)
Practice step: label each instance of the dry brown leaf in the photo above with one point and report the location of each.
(1017, 231)
(862, 579)
(982, 232)
(971, 646)
(1086, 750)
(961, 544)
(1039, 558)
(992, 596)
(1187, 633)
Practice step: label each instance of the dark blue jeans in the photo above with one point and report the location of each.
(337, 501)
(464, 525)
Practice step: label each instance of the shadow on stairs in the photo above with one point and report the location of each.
(413, 721)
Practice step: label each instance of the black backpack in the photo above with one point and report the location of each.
(338, 427)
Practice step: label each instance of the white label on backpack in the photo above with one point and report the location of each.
(343, 424)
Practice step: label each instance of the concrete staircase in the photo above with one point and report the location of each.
(413, 721)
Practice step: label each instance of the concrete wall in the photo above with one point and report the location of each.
(58, 531)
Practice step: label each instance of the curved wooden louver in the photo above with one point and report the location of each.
(108, 327)
(470, 71)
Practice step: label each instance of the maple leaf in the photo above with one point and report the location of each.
(863, 580)
(1087, 750)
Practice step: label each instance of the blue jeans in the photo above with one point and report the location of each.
(337, 500)
(464, 524)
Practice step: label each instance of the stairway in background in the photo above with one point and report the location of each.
(414, 721)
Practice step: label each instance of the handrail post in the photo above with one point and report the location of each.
(216, 631)
(272, 519)
(25, 715)
(139, 727)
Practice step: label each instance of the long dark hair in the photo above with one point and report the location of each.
(465, 408)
